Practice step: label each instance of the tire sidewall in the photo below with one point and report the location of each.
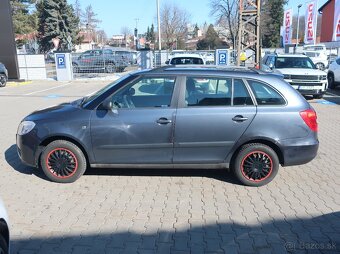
(81, 161)
(3, 245)
(244, 152)
(331, 83)
(4, 78)
(110, 68)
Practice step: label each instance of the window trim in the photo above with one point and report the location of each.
(265, 83)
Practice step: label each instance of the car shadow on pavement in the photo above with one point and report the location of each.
(14, 161)
(290, 235)
(12, 158)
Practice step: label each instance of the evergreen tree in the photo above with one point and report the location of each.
(24, 22)
(211, 40)
(56, 20)
(271, 21)
(152, 34)
(196, 29)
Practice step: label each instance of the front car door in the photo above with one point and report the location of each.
(139, 129)
(213, 114)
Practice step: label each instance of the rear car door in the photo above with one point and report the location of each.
(139, 129)
(213, 114)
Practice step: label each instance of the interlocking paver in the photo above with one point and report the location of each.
(169, 211)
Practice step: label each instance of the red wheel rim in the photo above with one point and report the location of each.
(257, 166)
(62, 163)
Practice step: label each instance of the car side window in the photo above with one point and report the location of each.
(266, 95)
(208, 91)
(338, 61)
(146, 92)
(241, 96)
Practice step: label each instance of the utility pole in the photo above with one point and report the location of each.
(249, 31)
(159, 27)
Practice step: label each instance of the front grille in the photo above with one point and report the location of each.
(304, 77)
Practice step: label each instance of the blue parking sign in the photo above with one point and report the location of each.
(61, 61)
(222, 57)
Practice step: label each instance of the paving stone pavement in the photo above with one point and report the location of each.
(170, 211)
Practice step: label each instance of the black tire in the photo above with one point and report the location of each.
(75, 68)
(256, 164)
(318, 96)
(110, 68)
(331, 82)
(320, 66)
(3, 80)
(3, 245)
(63, 161)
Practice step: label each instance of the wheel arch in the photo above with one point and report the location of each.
(263, 141)
(4, 230)
(49, 140)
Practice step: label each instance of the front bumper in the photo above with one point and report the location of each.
(28, 149)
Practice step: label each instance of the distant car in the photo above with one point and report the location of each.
(4, 230)
(181, 59)
(333, 74)
(99, 60)
(176, 117)
(3, 75)
(320, 59)
(298, 70)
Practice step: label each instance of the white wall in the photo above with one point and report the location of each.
(32, 67)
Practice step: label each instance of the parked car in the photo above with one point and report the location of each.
(3, 75)
(320, 59)
(176, 117)
(180, 59)
(333, 74)
(99, 60)
(298, 70)
(4, 230)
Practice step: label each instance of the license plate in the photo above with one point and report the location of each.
(307, 87)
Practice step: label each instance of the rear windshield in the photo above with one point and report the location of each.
(294, 62)
(186, 60)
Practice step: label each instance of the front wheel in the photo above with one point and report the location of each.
(110, 68)
(3, 245)
(318, 96)
(63, 161)
(320, 66)
(256, 164)
(3, 80)
(331, 82)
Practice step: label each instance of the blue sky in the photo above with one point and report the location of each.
(117, 14)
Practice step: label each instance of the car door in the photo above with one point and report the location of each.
(139, 129)
(212, 115)
(337, 70)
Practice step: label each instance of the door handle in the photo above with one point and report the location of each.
(163, 120)
(239, 118)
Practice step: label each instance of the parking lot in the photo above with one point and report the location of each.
(163, 211)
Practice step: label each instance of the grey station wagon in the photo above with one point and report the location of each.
(176, 117)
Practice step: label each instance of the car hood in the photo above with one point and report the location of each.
(295, 71)
(57, 111)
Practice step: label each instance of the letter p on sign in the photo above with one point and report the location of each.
(61, 61)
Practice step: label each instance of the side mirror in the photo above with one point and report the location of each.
(107, 104)
(167, 62)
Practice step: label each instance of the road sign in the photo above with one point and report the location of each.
(222, 57)
(61, 64)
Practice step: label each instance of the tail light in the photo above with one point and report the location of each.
(310, 118)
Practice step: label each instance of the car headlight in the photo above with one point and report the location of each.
(287, 76)
(25, 127)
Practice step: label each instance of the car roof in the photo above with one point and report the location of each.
(291, 55)
(187, 55)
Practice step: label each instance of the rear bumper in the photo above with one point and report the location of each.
(297, 154)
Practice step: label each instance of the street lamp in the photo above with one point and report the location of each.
(298, 26)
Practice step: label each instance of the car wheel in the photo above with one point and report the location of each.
(256, 164)
(318, 96)
(331, 82)
(320, 66)
(3, 80)
(75, 68)
(3, 245)
(63, 161)
(110, 68)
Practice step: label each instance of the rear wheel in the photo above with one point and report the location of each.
(318, 96)
(331, 82)
(63, 161)
(3, 80)
(256, 164)
(110, 68)
(3, 245)
(320, 66)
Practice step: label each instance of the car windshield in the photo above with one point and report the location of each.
(103, 90)
(294, 62)
(186, 60)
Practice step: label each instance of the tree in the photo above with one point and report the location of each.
(79, 13)
(24, 21)
(271, 21)
(211, 40)
(90, 18)
(173, 25)
(227, 14)
(56, 20)
(150, 34)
